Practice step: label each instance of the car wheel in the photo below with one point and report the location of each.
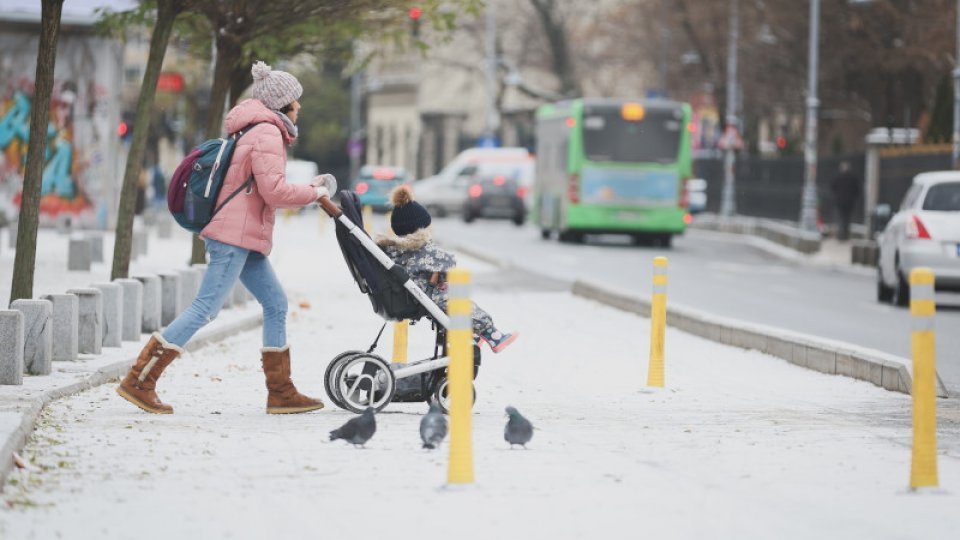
(884, 293)
(518, 220)
(901, 291)
(570, 237)
(545, 234)
(468, 217)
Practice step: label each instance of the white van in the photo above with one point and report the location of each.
(446, 192)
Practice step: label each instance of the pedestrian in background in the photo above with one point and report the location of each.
(846, 191)
(238, 240)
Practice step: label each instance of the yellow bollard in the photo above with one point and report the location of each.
(923, 465)
(658, 321)
(460, 376)
(400, 329)
(368, 219)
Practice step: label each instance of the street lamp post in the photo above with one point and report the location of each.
(808, 211)
(492, 119)
(728, 205)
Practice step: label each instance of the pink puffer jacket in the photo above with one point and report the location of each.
(247, 220)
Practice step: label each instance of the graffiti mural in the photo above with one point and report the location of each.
(81, 159)
(60, 191)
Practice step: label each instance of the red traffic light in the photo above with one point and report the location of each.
(122, 129)
(781, 142)
(415, 13)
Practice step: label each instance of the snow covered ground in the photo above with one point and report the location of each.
(740, 445)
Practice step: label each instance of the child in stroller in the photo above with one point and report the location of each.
(411, 246)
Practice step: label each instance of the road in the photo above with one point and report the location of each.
(723, 275)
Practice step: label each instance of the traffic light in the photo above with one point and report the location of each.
(125, 127)
(414, 15)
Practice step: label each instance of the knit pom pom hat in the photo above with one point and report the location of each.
(275, 89)
(408, 215)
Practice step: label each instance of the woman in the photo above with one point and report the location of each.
(238, 240)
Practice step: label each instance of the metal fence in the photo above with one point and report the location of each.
(772, 188)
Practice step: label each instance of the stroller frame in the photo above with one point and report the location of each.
(357, 379)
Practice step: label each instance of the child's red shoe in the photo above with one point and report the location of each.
(497, 340)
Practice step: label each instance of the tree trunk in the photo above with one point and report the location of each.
(228, 55)
(26, 257)
(167, 11)
(556, 33)
(240, 80)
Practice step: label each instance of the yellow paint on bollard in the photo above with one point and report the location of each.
(658, 322)
(400, 329)
(368, 219)
(923, 464)
(460, 376)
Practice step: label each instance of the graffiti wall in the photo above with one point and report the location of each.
(80, 162)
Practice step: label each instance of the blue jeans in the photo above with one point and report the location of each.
(227, 263)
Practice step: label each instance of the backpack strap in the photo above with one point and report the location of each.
(236, 137)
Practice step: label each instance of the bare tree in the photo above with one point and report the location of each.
(26, 257)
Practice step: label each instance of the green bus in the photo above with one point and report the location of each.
(613, 166)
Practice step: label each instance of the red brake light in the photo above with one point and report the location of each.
(522, 192)
(688, 219)
(362, 188)
(573, 188)
(476, 190)
(916, 230)
(571, 122)
(499, 180)
(383, 174)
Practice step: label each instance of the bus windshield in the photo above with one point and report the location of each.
(654, 139)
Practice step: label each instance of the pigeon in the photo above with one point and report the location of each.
(358, 430)
(518, 430)
(433, 427)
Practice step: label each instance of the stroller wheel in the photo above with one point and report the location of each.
(360, 381)
(440, 394)
(329, 377)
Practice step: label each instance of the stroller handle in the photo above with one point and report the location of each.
(328, 207)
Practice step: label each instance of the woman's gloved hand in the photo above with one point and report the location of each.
(327, 181)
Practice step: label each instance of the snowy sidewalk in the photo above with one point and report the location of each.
(740, 445)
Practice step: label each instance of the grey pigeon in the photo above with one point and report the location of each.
(358, 430)
(518, 430)
(433, 427)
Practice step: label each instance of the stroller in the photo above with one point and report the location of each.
(356, 379)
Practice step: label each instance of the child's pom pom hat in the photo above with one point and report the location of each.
(408, 215)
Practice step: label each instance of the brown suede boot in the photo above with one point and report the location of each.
(139, 386)
(282, 397)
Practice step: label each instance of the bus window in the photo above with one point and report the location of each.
(654, 139)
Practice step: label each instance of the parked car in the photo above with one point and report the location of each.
(494, 196)
(446, 192)
(375, 182)
(924, 232)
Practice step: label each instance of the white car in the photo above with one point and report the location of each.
(446, 192)
(924, 232)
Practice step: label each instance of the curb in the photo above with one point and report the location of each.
(812, 352)
(819, 354)
(30, 408)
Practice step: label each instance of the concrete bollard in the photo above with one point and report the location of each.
(139, 241)
(132, 309)
(112, 313)
(89, 320)
(96, 246)
(169, 298)
(80, 255)
(37, 335)
(164, 227)
(152, 304)
(11, 346)
(189, 285)
(239, 294)
(65, 326)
